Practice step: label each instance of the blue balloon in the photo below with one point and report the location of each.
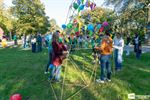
(90, 27)
(79, 2)
(81, 7)
(99, 26)
(64, 26)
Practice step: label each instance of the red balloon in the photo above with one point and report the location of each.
(16, 97)
(77, 33)
(101, 29)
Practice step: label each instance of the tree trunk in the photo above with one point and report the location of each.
(10, 35)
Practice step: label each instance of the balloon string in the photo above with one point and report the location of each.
(69, 11)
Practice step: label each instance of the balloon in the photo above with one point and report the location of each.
(91, 33)
(75, 21)
(91, 6)
(82, 1)
(16, 97)
(87, 4)
(89, 17)
(105, 24)
(81, 7)
(85, 27)
(90, 27)
(99, 26)
(64, 26)
(77, 33)
(80, 25)
(76, 29)
(79, 2)
(75, 5)
(101, 29)
(69, 25)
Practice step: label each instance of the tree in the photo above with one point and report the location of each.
(31, 17)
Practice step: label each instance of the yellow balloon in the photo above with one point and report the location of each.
(4, 43)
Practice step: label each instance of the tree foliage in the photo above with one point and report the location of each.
(31, 17)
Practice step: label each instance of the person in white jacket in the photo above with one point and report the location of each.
(118, 51)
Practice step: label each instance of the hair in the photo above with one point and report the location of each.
(55, 36)
(107, 33)
(57, 31)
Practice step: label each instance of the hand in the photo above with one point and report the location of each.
(97, 48)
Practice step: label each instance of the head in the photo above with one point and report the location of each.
(118, 35)
(107, 33)
(55, 36)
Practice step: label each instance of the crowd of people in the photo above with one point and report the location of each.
(103, 48)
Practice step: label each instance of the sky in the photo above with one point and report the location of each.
(57, 9)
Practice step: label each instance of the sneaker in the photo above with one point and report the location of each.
(46, 72)
(118, 70)
(109, 80)
(57, 81)
(100, 81)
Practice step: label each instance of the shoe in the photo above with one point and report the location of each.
(100, 81)
(46, 72)
(118, 70)
(109, 80)
(94, 61)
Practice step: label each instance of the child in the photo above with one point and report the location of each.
(118, 51)
(59, 54)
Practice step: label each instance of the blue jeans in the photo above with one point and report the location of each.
(55, 73)
(105, 63)
(118, 65)
(49, 60)
(138, 54)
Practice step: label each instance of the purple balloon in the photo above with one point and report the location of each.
(105, 24)
(87, 3)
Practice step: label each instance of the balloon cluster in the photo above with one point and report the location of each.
(76, 23)
(80, 5)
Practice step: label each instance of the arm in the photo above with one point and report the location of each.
(120, 46)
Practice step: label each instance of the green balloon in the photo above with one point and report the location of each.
(91, 33)
(79, 10)
(75, 6)
(69, 25)
(85, 27)
(76, 30)
(82, 1)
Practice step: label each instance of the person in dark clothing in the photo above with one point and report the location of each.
(15, 40)
(128, 40)
(33, 42)
(39, 43)
(137, 46)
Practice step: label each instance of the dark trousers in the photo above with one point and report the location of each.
(34, 47)
(39, 47)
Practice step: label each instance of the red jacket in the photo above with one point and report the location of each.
(58, 49)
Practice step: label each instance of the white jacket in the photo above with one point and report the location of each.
(118, 44)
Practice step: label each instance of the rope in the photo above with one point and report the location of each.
(62, 90)
(53, 92)
(75, 66)
(77, 92)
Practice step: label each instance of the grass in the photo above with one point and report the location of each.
(23, 72)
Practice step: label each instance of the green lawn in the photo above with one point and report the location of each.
(23, 72)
